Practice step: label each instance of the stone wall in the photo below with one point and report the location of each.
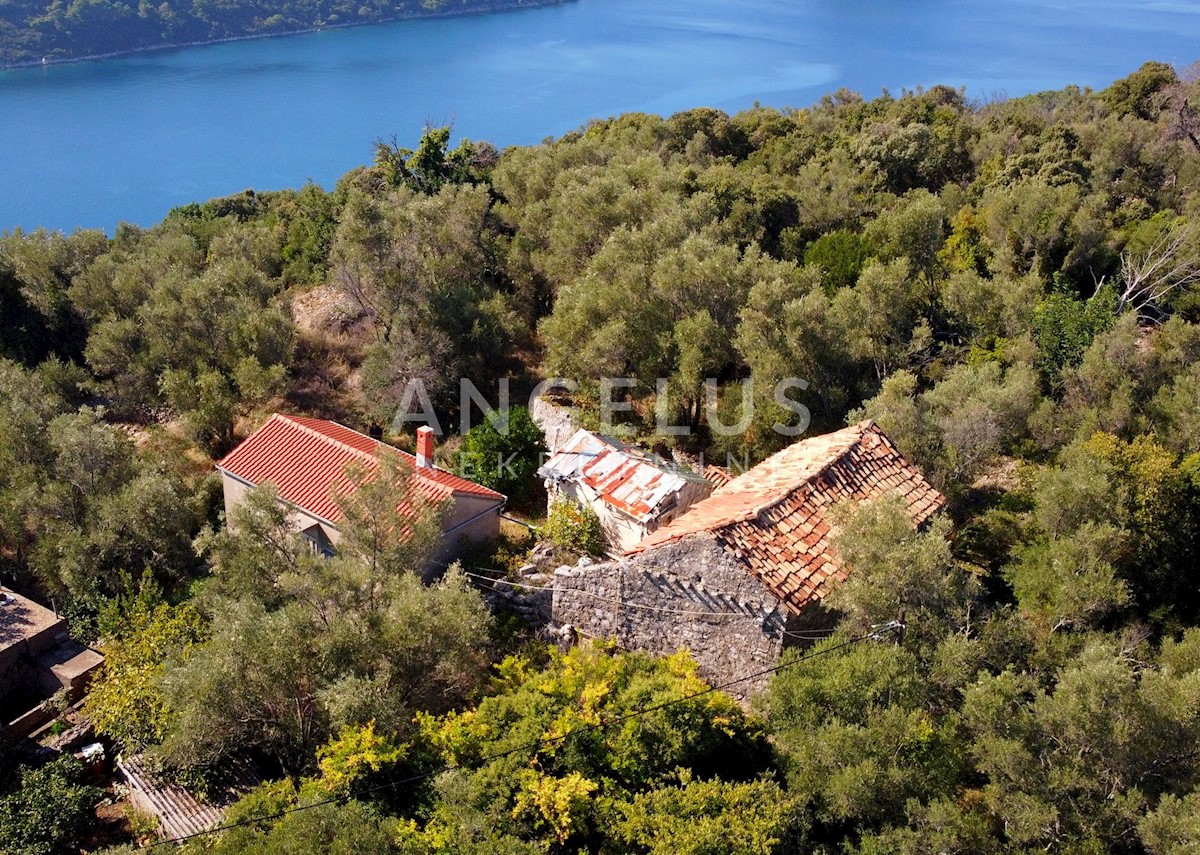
(556, 423)
(528, 593)
(530, 598)
(688, 594)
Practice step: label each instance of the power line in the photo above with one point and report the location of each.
(802, 635)
(809, 635)
(876, 632)
(601, 598)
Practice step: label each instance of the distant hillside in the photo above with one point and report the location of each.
(33, 31)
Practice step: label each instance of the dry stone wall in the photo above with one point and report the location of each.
(529, 598)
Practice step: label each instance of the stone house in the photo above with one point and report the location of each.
(38, 658)
(305, 459)
(742, 574)
(632, 491)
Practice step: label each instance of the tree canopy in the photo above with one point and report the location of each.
(1008, 288)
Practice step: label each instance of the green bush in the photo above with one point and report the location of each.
(840, 255)
(49, 810)
(1064, 326)
(504, 461)
(574, 528)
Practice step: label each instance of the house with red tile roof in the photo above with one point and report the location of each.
(306, 461)
(632, 491)
(743, 572)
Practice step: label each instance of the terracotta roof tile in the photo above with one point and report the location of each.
(772, 518)
(306, 458)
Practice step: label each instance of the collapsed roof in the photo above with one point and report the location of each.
(772, 519)
(635, 482)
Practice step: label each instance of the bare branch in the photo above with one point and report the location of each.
(1170, 264)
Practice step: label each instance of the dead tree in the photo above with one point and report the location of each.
(1185, 122)
(1170, 264)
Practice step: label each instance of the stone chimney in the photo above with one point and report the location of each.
(425, 447)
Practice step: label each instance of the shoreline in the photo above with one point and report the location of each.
(485, 8)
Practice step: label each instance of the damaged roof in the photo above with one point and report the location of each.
(635, 482)
(772, 519)
(306, 458)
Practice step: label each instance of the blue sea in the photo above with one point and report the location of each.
(91, 144)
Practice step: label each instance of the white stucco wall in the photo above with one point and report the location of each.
(475, 519)
(235, 494)
(622, 531)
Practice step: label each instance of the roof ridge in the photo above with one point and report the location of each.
(787, 542)
(866, 425)
(636, 453)
(422, 472)
(324, 437)
(838, 453)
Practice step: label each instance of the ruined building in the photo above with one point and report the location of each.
(632, 491)
(741, 574)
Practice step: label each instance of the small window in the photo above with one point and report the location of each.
(318, 543)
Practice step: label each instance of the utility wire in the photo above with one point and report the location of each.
(719, 594)
(608, 599)
(483, 571)
(530, 587)
(810, 635)
(802, 635)
(813, 635)
(876, 632)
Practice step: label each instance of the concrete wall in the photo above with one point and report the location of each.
(27, 630)
(621, 531)
(473, 519)
(235, 493)
(664, 599)
(467, 508)
(68, 666)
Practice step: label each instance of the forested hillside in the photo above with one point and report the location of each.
(32, 30)
(1011, 289)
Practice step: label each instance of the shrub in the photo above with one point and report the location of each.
(574, 528)
(50, 809)
(1064, 326)
(508, 461)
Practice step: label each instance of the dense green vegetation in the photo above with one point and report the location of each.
(46, 810)
(33, 30)
(574, 529)
(503, 452)
(1011, 289)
